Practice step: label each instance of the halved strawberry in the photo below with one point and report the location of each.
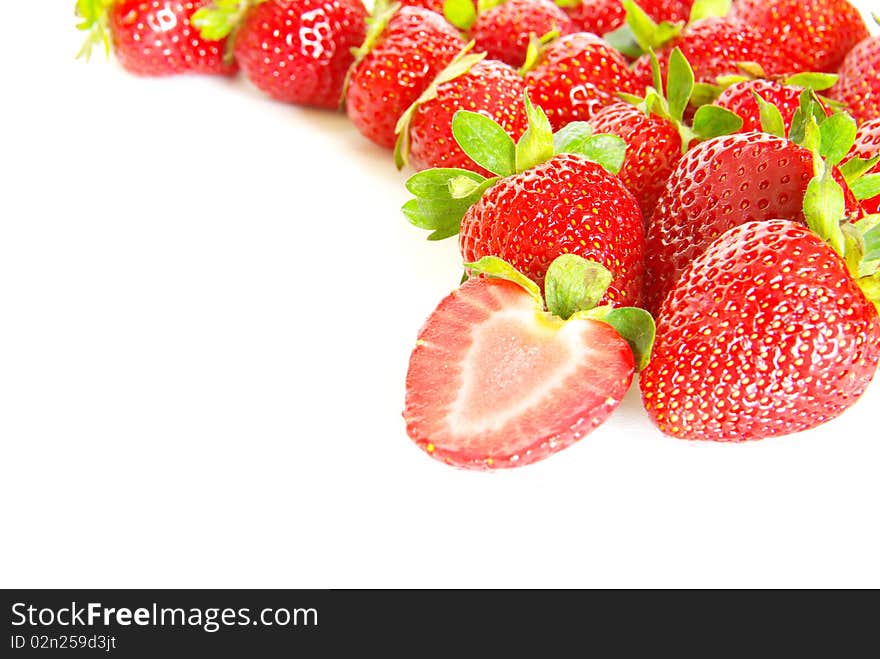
(496, 381)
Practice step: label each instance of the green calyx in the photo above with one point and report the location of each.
(463, 62)
(574, 287)
(536, 47)
(442, 196)
(221, 19)
(709, 121)
(461, 13)
(92, 15)
(858, 243)
(641, 34)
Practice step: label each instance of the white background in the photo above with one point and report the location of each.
(207, 302)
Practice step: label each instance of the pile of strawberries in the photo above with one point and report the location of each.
(681, 188)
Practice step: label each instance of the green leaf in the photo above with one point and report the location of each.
(536, 144)
(752, 69)
(536, 46)
(824, 208)
(569, 138)
(870, 228)
(442, 197)
(219, 18)
(808, 107)
(93, 20)
(643, 27)
(567, 4)
(816, 81)
(623, 41)
(866, 187)
(713, 121)
(485, 5)
(574, 284)
(679, 84)
(708, 8)
(603, 149)
(856, 167)
(637, 328)
(771, 118)
(837, 132)
(461, 13)
(704, 93)
(435, 183)
(484, 142)
(492, 266)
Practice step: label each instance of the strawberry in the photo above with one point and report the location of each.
(151, 38)
(784, 95)
(603, 16)
(503, 31)
(655, 132)
(403, 52)
(766, 333)
(296, 51)
(719, 184)
(859, 83)
(819, 32)
(866, 147)
(574, 76)
(717, 46)
(496, 380)
(489, 87)
(547, 199)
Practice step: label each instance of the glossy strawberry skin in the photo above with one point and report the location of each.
(739, 98)
(503, 31)
(714, 47)
(765, 334)
(717, 185)
(653, 149)
(298, 51)
(156, 38)
(491, 88)
(859, 82)
(567, 204)
(820, 32)
(576, 76)
(603, 16)
(415, 46)
(442, 379)
(866, 146)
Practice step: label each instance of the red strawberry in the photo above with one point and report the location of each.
(576, 75)
(298, 51)
(503, 31)
(397, 64)
(548, 199)
(656, 134)
(565, 205)
(765, 334)
(819, 32)
(496, 381)
(716, 46)
(859, 83)
(491, 88)
(653, 148)
(603, 16)
(867, 146)
(740, 99)
(717, 185)
(152, 38)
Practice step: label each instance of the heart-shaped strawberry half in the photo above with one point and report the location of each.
(497, 381)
